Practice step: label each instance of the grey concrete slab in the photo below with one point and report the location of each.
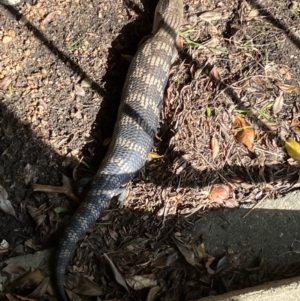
(272, 227)
(268, 239)
(283, 290)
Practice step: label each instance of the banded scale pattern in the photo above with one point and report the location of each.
(136, 124)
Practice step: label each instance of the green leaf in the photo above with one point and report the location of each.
(107, 141)
(208, 111)
(127, 57)
(60, 209)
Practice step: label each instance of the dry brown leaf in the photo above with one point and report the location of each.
(200, 252)
(40, 291)
(245, 132)
(13, 297)
(203, 259)
(219, 193)
(286, 88)
(112, 233)
(6, 39)
(231, 203)
(165, 258)
(278, 103)
(295, 123)
(227, 262)
(4, 246)
(210, 16)
(139, 282)
(153, 293)
(209, 260)
(214, 72)
(235, 178)
(38, 214)
(212, 30)
(5, 204)
(5, 82)
(68, 183)
(215, 147)
(252, 14)
(171, 206)
(187, 253)
(213, 42)
(30, 243)
(72, 296)
(11, 33)
(14, 269)
(285, 71)
(82, 285)
(79, 91)
(30, 279)
(179, 42)
(117, 274)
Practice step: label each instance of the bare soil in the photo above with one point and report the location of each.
(62, 68)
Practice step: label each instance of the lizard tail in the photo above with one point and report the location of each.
(86, 215)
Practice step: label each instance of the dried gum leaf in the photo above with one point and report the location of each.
(286, 88)
(246, 133)
(79, 90)
(5, 82)
(210, 16)
(295, 123)
(164, 258)
(278, 103)
(215, 147)
(219, 193)
(5, 204)
(141, 282)
(117, 274)
(215, 73)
